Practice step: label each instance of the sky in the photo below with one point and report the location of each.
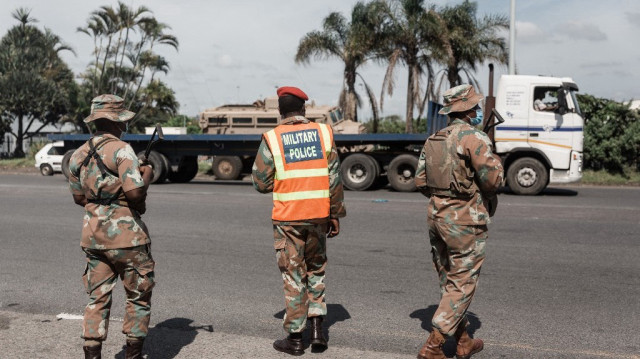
(242, 50)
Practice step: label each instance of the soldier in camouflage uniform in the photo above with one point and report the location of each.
(108, 180)
(300, 242)
(460, 174)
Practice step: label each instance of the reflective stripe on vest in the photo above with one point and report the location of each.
(301, 186)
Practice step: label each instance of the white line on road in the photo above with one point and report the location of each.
(200, 193)
(69, 316)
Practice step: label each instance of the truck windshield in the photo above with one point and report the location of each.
(574, 99)
(336, 116)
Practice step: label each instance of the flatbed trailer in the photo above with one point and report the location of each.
(368, 160)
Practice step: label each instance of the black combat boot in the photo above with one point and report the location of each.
(134, 348)
(318, 341)
(93, 351)
(290, 345)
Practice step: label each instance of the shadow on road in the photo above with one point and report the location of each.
(449, 348)
(335, 313)
(565, 192)
(166, 339)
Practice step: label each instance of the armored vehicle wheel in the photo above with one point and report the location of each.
(402, 172)
(527, 176)
(187, 170)
(65, 163)
(226, 167)
(359, 172)
(46, 169)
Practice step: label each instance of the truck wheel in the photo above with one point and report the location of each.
(160, 166)
(401, 173)
(46, 169)
(359, 172)
(226, 167)
(64, 165)
(187, 170)
(527, 176)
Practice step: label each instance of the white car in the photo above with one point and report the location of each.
(49, 158)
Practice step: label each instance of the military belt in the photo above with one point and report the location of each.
(108, 201)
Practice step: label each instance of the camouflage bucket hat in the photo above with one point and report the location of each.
(110, 107)
(460, 98)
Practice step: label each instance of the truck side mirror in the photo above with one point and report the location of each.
(562, 101)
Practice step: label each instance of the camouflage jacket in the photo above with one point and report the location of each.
(475, 158)
(263, 174)
(109, 226)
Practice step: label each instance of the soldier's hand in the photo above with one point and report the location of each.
(334, 227)
(144, 161)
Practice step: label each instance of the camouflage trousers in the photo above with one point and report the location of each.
(458, 254)
(302, 258)
(134, 266)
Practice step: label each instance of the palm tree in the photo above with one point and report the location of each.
(473, 41)
(152, 33)
(415, 38)
(354, 42)
(129, 19)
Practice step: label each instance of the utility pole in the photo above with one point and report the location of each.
(512, 39)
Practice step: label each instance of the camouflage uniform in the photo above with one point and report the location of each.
(114, 237)
(301, 246)
(464, 175)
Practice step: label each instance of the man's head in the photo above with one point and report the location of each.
(291, 101)
(461, 102)
(109, 115)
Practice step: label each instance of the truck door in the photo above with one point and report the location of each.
(549, 129)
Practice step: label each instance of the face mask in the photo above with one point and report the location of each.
(478, 119)
(126, 129)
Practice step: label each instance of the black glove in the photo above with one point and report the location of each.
(492, 204)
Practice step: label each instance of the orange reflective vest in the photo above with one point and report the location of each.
(301, 183)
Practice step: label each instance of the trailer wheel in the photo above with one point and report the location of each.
(359, 172)
(64, 165)
(160, 166)
(226, 167)
(46, 169)
(187, 170)
(527, 176)
(401, 173)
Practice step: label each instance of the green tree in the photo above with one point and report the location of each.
(182, 120)
(124, 62)
(415, 39)
(611, 135)
(354, 42)
(473, 41)
(35, 84)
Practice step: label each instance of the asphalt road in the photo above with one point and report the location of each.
(561, 278)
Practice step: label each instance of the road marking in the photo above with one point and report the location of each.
(390, 201)
(69, 316)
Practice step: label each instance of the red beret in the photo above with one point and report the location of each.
(288, 90)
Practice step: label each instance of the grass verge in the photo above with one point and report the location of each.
(631, 178)
(18, 162)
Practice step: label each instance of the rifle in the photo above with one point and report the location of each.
(158, 130)
(490, 124)
(492, 204)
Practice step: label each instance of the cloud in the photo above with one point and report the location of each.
(589, 65)
(576, 30)
(633, 17)
(529, 33)
(226, 61)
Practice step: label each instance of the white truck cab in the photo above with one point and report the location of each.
(49, 158)
(541, 139)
